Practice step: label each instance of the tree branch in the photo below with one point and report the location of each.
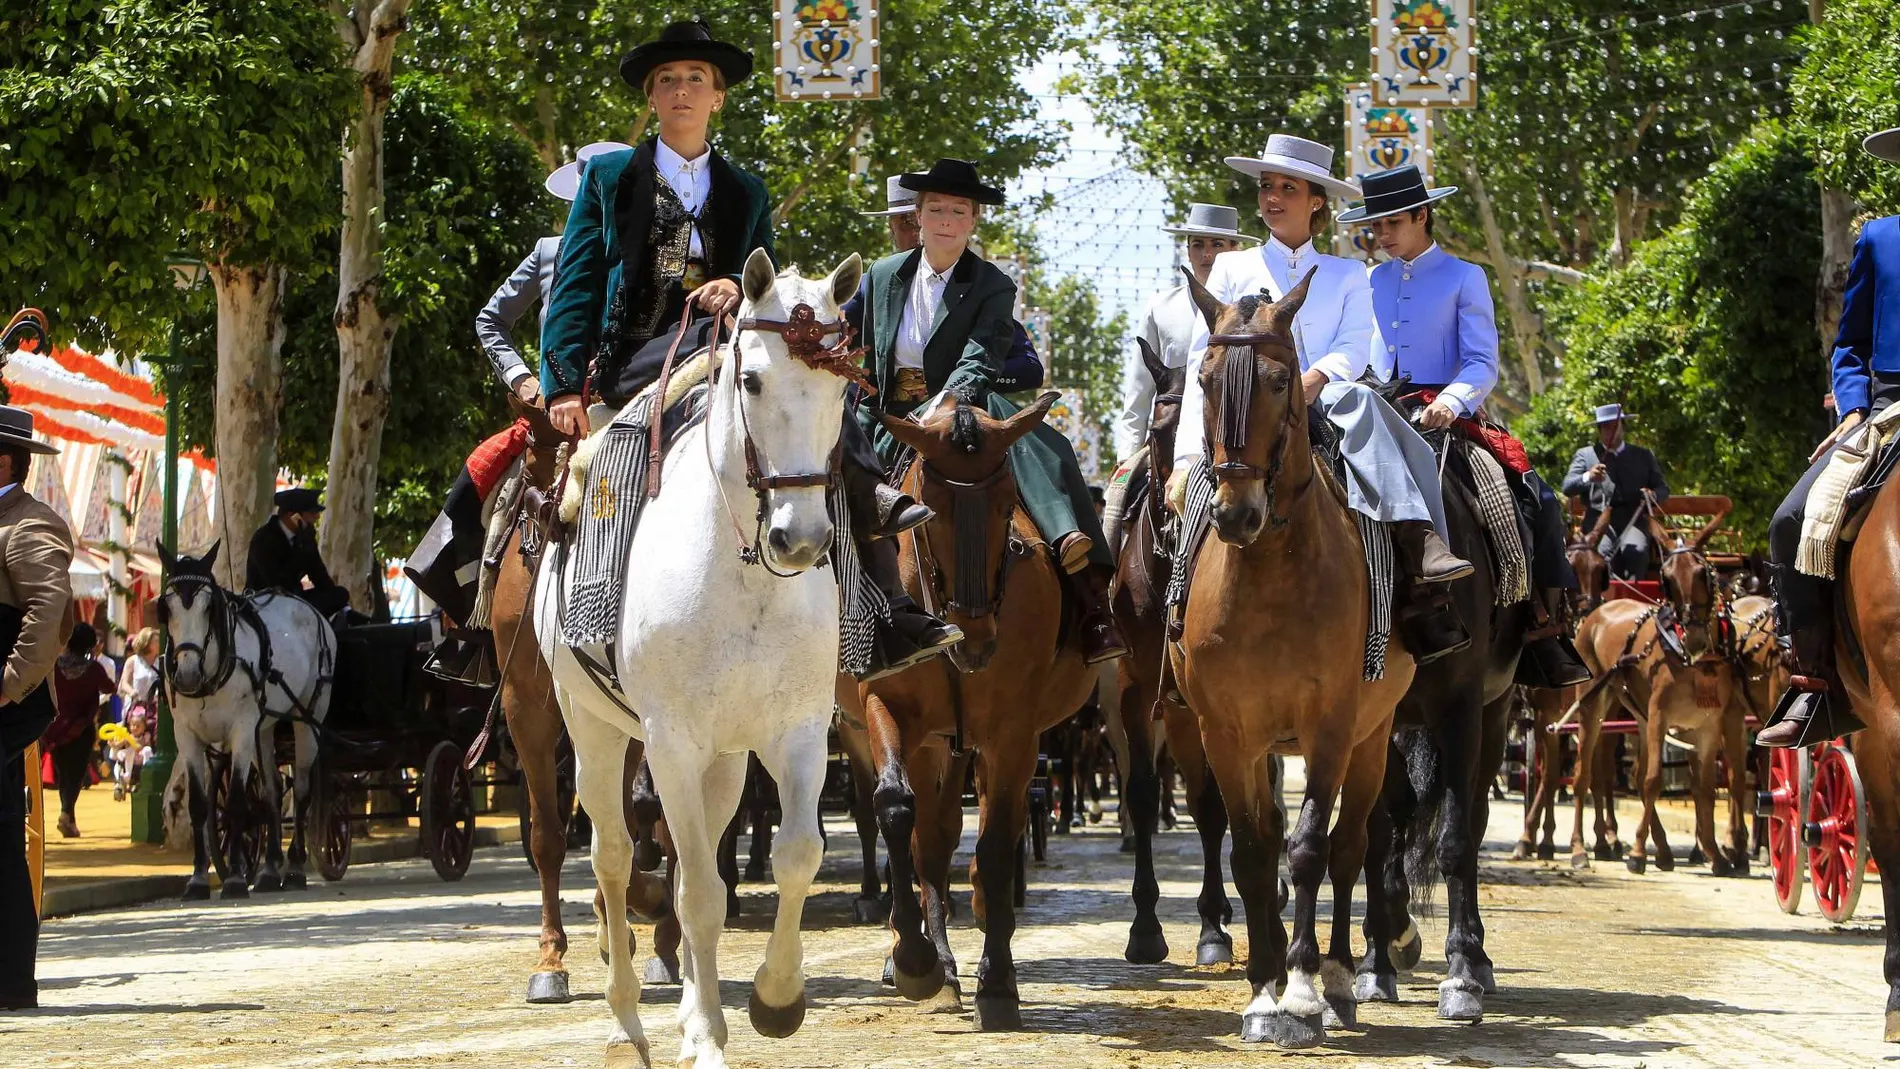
(814, 170)
(1544, 271)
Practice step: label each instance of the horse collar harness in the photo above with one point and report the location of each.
(228, 611)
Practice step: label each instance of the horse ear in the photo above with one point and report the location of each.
(211, 556)
(1210, 307)
(166, 557)
(911, 434)
(1289, 306)
(1013, 428)
(1156, 369)
(843, 282)
(759, 276)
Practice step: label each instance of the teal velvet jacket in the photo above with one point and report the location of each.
(605, 241)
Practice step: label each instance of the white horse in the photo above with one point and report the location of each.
(231, 659)
(717, 657)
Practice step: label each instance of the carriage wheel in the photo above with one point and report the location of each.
(1787, 862)
(331, 812)
(1836, 833)
(448, 812)
(222, 830)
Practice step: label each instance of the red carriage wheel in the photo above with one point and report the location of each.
(1836, 832)
(1781, 803)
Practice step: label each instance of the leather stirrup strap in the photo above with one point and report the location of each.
(656, 433)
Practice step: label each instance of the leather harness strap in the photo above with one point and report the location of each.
(656, 430)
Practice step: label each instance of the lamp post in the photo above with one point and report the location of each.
(148, 803)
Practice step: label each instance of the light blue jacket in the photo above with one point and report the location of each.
(1436, 323)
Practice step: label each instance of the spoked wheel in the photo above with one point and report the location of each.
(222, 831)
(1781, 803)
(448, 812)
(330, 812)
(1836, 832)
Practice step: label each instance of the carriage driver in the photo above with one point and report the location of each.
(1616, 475)
(284, 553)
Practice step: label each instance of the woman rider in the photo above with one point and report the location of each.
(670, 224)
(940, 318)
(1392, 473)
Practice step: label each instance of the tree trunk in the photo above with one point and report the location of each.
(1837, 251)
(364, 328)
(250, 390)
(1526, 325)
(1623, 199)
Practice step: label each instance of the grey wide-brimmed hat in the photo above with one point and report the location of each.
(1402, 189)
(1885, 144)
(1296, 156)
(1210, 221)
(899, 199)
(1610, 414)
(565, 182)
(16, 430)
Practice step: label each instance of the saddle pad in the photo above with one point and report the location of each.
(1124, 491)
(1827, 512)
(498, 518)
(1497, 509)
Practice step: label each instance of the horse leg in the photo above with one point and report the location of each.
(268, 812)
(1298, 1020)
(796, 763)
(1348, 850)
(702, 795)
(1735, 749)
(1583, 781)
(1460, 738)
(237, 816)
(1393, 942)
(1165, 776)
(664, 966)
(600, 783)
(1638, 859)
(1146, 943)
(1215, 946)
(757, 810)
(869, 907)
(191, 753)
(302, 780)
(939, 778)
(914, 963)
(1258, 831)
(1376, 978)
(1552, 760)
(534, 723)
(728, 863)
(1603, 791)
(1004, 809)
(1877, 751)
(1495, 728)
(1702, 793)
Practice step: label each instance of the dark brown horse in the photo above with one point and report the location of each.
(1271, 659)
(981, 564)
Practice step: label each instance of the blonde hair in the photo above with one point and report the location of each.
(145, 637)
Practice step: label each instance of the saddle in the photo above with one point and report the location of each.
(1838, 499)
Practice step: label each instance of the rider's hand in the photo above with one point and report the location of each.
(1437, 415)
(1596, 474)
(1313, 382)
(1178, 484)
(568, 415)
(1847, 423)
(527, 391)
(718, 297)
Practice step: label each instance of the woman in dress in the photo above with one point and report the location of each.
(78, 683)
(940, 318)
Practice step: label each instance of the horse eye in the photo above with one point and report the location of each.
(753, 384)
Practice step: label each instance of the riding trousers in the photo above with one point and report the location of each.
(1391, 472)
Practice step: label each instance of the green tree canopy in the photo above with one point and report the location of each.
(1849, 87)
(1084, 349)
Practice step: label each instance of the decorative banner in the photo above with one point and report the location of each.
(1067, 417)
(1424, 53)
(1379, 137)
(826, 50)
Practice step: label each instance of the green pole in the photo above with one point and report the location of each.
(148, 802)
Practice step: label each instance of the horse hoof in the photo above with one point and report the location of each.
(625, 1052)
(1283, 1029)
(869, 911)
(196, 890)
(999, 1013)
(1636, 864)
(646, 855)
(1486, 977)
(775, 1022)
(1146, 948)
(1738, 863)
(295, 880)
(889, 979)
(1720, 867)
(1892, 1032)
(234, 888)
(1580, 861)
(1605, 852)
(1215, 950)
(268, 882)
(1375, 987)
(1460, 1000)
(1665, 861)
(1407, 950)
(1128, 845)
(1342, 1015)
(1696, 856)
(1521, 852)
(548, 989)
(1547, 852)
(658, 971)
(917, 988)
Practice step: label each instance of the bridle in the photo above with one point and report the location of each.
(804, 341)
(978, 591)
(222, 633)
(1236, 411)
(1713, 616)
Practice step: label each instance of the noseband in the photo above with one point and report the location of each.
(976, 592)
(223, 633)
(1236, 411)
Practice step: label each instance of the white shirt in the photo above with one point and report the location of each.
(1167, 325)
(1333, 331)
(691, 181)
(920, 312)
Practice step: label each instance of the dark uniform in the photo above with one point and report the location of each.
(1629, 471)
(280, 560)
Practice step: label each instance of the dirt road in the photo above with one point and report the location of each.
(393, 968)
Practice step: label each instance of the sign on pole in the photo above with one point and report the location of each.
(1378, 138)
(826, 50)
(1424, 53)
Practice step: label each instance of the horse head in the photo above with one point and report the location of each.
(1165, 418)
(1254, 417)
(778, 398)
(1690, 585)
(194, 620)
(962, 474)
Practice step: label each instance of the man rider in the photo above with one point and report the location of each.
(284, 554)
(1614, 474)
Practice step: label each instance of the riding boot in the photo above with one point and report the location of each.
(878, 508)
(1101, 636)
(1429, 623)
(1549, 659)
(1424, 556)
(912, 635)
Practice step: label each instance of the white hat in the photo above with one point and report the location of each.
(1885, 144)
(901, 200)
(1211, 221)
(565, 182)
(1298, 157)
(1609, 414)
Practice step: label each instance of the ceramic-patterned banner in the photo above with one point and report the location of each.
(826, 50)
(1424, 53)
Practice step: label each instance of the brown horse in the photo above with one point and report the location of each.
(981, 564)
(1687, 686)
(534, 725)
(1271, 658)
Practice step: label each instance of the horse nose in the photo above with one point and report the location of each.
(795, 549)
(1238, 525)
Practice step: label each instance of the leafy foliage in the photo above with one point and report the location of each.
(1707, 336)
(1087, 349)
(1849, 87)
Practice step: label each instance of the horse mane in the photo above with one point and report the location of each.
(965, 431)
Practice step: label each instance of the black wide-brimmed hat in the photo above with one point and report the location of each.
(681, 42)
(958, 178)
(16, 431)
(1885, 144)
(297, 499)
(1401, 189)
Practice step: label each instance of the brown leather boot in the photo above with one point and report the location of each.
(1101, 637)
(1424, 555)
(1549, 660)
(1813, 709)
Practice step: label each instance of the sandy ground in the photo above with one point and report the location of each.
(393, 968)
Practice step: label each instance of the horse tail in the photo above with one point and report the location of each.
(1421, 836)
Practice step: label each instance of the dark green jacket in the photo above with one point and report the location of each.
(607, 230)
(972, 335)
